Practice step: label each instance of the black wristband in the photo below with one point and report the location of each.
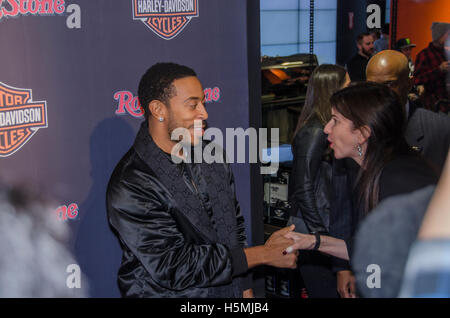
(317, 245)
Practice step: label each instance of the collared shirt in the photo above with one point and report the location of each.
(192, 174)
(428, 73)
(196, 183)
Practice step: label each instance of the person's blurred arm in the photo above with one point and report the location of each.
(436, 223)
(428, 267)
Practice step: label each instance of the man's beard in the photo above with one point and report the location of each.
(186, 140)
(171, 126)
(368, 53)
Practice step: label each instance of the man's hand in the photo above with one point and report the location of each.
(248, 293)
(420, 90)
(346, 284)
(276, 245)
(445, 66)
(271, 253)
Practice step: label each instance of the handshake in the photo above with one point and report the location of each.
(281, 249)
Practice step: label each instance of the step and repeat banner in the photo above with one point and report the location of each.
(69, 72)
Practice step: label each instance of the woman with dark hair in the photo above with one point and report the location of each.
(309, 146)
(367, 125)
(310, 180)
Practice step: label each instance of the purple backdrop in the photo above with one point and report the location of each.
(84, 59)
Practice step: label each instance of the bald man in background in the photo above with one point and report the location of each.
(399, 217)
(427, 131)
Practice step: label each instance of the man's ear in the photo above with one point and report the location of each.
(359, 46)
(157, 109)
(364, 134)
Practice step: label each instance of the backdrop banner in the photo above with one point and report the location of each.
(69, 72)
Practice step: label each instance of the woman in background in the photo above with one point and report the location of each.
(310, 181)
(367, 125)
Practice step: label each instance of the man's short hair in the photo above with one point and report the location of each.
(361, 36)
(157, 83)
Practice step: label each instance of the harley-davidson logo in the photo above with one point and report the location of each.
(20, 118)
(167, 18)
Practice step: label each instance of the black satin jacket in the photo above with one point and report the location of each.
(180, 229)
(310, 181)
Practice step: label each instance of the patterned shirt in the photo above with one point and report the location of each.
(428, 73)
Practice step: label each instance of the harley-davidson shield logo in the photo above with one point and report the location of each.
(20, 118)
(167, 18)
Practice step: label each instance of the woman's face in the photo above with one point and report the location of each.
(342, 136)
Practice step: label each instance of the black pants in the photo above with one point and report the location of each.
(315, 270)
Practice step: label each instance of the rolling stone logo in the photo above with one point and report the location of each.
(67, 212)
(167, 18)
(129, 104)
(20, 118)
(14, 8)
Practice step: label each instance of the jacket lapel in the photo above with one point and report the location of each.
(222, 202)
(187, 202)
(414, 134)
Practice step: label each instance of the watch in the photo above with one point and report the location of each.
(317, 245)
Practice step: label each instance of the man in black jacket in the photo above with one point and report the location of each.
(180, 225)
(356, 66)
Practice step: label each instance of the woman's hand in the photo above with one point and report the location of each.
(301, 241)
(278, 243)
(346, 284)
(328, 245)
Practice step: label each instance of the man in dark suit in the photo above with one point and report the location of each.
(178, 222)
(427, 131)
